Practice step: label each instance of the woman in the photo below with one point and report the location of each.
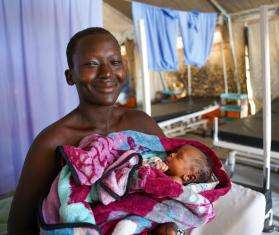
(97, 71)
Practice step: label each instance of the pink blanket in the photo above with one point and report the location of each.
(103, 189)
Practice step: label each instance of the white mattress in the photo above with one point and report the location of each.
(240, 212)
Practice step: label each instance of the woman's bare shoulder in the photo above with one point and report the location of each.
(140, 121)
(58, 133)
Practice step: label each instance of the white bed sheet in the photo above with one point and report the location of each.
(240, 212)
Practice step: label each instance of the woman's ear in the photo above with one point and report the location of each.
(69, 77)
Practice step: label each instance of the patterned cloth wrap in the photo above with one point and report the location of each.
(104, 189)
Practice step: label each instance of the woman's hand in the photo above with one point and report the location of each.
(160, 165)
(165, 229)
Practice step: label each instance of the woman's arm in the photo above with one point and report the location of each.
(39, 170)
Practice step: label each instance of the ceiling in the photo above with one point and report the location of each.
(231, 6)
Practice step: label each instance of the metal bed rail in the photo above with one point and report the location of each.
(183, 124)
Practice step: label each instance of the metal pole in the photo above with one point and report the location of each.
(267, 94)
(271, 7)
(215, 134)
(189, 80)
(224, 11)
(236, 77)
(224, 66)
(144, 68)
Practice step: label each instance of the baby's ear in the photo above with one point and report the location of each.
(69, 77)
(189, 178)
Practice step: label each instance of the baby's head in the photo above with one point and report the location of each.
(189, 165)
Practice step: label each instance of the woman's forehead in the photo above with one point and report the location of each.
(97, 43)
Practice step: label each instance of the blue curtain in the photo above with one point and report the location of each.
(161, 27)
(34, 93)
(197, 31)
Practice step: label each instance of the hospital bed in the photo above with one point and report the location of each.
(181, 116)
(235, 214)
(228, 205)
(244, 138)
(235, 211)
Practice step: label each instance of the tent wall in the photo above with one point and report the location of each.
(209, 80)
(117, 23)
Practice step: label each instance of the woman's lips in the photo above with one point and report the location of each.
(105, 88)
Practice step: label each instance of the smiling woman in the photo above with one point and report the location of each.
(96, 68)
(97, 71)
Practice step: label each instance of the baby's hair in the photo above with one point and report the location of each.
(83, 33)
(204, 173)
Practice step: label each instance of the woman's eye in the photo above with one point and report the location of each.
(92, 63)
(116, 62)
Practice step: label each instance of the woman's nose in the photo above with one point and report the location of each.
(105, 71)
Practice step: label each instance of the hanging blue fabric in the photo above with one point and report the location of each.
(161, 34)
(197, 30)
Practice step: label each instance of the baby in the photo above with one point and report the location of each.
(187, 165)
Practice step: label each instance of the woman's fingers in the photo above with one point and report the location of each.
(161, 166)
(165, 168)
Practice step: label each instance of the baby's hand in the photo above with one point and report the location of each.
(160, 165)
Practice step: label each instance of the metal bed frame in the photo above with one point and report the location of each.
(189, 122)
(250, 155)
(256, 154)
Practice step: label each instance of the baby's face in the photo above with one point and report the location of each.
(181, 162)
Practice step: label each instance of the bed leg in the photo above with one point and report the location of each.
(269, 227)
(268, 223)
(230, 162)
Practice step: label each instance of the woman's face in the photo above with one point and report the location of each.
(98, 70)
